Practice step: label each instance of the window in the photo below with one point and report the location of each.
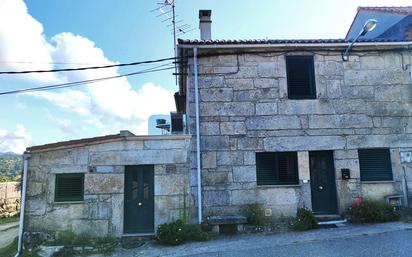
(277, 168)
(301, 77)
(69, 187)
(375, 165)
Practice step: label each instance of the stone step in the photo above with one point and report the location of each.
(131, 241)
(330, 221)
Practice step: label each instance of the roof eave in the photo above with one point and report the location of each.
(289, 45)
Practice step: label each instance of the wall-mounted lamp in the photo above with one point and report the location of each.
(368, 26)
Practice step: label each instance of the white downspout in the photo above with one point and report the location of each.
(199, 178)
(26, 157)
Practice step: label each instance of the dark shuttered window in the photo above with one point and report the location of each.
(69, 187)
(375, 164)
(277, 168)
(300, 77)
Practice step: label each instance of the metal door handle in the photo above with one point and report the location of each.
(140, 204)
(320, 187)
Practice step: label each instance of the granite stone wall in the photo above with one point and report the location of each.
(362, 103)
(10, 194)
(101, 212)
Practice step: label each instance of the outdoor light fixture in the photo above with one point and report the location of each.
(369, 26)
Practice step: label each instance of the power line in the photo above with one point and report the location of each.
(84, 82)
(54, 63)
(88, 68)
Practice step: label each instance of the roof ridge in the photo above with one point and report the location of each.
(391, 9)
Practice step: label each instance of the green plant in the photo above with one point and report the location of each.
(194, 232)
(10, 219)
(69, 238)
(304, 220)
(371, 211)
(6, 178)
(184, 214)
(206, 227)
(11, 249)
(254, 213)
(177, 232)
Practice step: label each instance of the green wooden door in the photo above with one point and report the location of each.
(322, 180)
(139, 199)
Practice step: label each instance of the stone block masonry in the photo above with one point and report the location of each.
(10, 195)
(362, 103)
(101, 213)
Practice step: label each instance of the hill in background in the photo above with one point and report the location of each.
(10, 164)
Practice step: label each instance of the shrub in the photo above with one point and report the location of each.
(69, 238)
(371, 211)
(177, 232)
(206, 227)
(254, 213)
(304, 220)
(194, 232)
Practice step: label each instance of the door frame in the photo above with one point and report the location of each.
(136, 167)
(333, 179)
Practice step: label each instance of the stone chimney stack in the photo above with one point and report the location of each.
(205, 24)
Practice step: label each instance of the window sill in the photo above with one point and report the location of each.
(69, 202)
(277, 186)
(378, 182)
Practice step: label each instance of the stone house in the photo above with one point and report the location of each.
(288, 123)
(106, 186)
(285, 123)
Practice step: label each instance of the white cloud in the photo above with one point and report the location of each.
(21, 105)
(15, 141)
(107, 105)
(22, 40)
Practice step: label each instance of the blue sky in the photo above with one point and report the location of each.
(79, 33)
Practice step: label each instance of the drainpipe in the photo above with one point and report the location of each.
(199, 178)
(26, 157)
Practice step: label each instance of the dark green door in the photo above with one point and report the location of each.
(139, 199)
(322, 181)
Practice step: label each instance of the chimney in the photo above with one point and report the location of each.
(205, 24)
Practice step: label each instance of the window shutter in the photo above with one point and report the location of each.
(300, 77)
(276, 168)
(265, 167)
(69, 187)
(375, 165)
(288, 173)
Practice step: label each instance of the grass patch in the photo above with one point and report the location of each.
(68, 238)
(9, 219)
(11, 250)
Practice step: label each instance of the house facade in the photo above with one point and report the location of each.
(284, 123)
(288, 124)
(106, 186)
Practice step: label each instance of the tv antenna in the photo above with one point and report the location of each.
(168, 15)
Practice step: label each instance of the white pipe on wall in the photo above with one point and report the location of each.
(26, 157)
(199, 178)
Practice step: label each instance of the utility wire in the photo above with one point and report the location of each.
(83, 82)
(88, 68)
(55, 63)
